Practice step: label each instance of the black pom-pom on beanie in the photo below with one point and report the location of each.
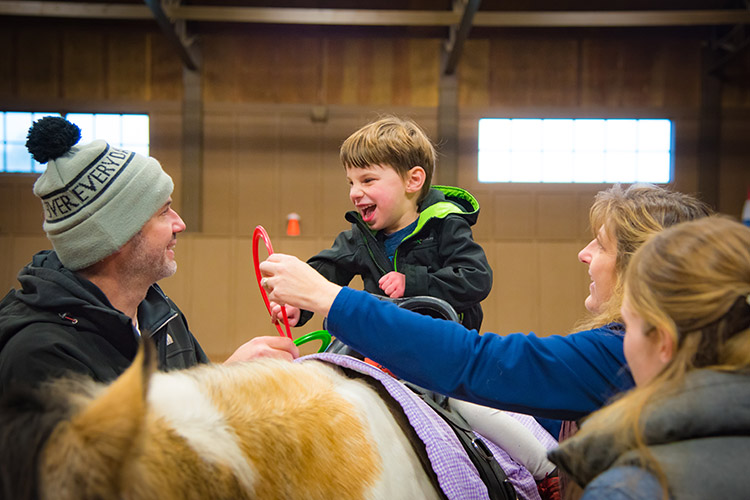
(51, 137)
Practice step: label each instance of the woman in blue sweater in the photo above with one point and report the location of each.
(684, 431)
(557, 377)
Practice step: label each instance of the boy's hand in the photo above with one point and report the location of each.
(393, 284)
(292, 314)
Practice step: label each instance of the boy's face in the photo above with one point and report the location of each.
(385, 200)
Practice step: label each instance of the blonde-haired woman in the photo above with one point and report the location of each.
(556, 376)
(560, 377)
(684, 431)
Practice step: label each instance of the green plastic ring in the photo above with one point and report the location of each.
(322, 335)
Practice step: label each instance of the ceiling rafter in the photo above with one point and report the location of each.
(459, 33)
(372, 17)
(175, 31)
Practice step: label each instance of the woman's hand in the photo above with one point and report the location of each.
(289, 281)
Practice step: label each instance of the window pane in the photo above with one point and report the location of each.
(19, 157)
(558, 166)
(526, 135)
(557, 135)
(654, 167)
(494, 166)
(574, 150)
(654, 135)
(494, 135)
(85, 122)
(135, 129)
(127, 131)
(621, 135)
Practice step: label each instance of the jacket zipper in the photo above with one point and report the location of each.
(164, 323)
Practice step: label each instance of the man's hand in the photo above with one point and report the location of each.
(265, 347)
(393, 284)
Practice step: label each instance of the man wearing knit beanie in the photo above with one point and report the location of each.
(83, 306)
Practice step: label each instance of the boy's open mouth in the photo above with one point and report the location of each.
(367, 212)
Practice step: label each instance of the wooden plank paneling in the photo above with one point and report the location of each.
(424, 70)
(8, 54)
(38, 62)
(214, 275)
(128, 67)
(7, 209)
(334, 187)
(299, 70)
(382, 73)
(258, 181)
(512, 305)
(514, 216)
(563, 287)
(83, 65)
(165, 70)
(299, 181)
(557, 216)
(528, 71)
(220, 194)
(474, 73)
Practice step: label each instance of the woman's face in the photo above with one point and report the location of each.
(643, 346)
(600, 255)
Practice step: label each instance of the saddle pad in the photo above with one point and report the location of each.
(457, 476)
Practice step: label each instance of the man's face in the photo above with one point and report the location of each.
(152, 248)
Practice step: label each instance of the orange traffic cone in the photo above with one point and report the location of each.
(292, 224)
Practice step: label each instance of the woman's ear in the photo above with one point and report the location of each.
(665, 346)
(415, 178)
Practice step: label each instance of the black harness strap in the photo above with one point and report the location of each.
(493, 476)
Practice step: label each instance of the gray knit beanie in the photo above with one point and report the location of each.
(95, 197)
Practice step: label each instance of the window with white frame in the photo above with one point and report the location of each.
(128, 131)
(575, 150)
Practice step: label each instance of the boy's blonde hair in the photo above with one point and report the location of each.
(391, 141)
(629, 217)
(691, 281)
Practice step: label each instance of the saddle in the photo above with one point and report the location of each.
(490, 471)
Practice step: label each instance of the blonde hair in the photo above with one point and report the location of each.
(391, 141)
(629, 217)
(691, 281)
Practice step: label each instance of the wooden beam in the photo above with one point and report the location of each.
(175, 33)
(331, 17)
(373, 17)
(447, 137)
(192, 150)
(611, 19)
(459, 33)
(709, 139)
(75, 10)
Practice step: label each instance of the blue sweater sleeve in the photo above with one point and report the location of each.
(560, 377)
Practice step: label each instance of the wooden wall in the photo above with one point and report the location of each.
(264, 156)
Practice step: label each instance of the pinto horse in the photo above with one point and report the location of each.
(265, 429)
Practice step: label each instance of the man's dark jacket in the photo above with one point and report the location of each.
(59, 322)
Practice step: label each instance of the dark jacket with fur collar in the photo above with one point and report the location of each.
(699, 434)
(439, 258)
(60, 322)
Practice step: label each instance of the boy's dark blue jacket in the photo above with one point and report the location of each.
(439, 258)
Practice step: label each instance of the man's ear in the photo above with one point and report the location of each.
(415, 178)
